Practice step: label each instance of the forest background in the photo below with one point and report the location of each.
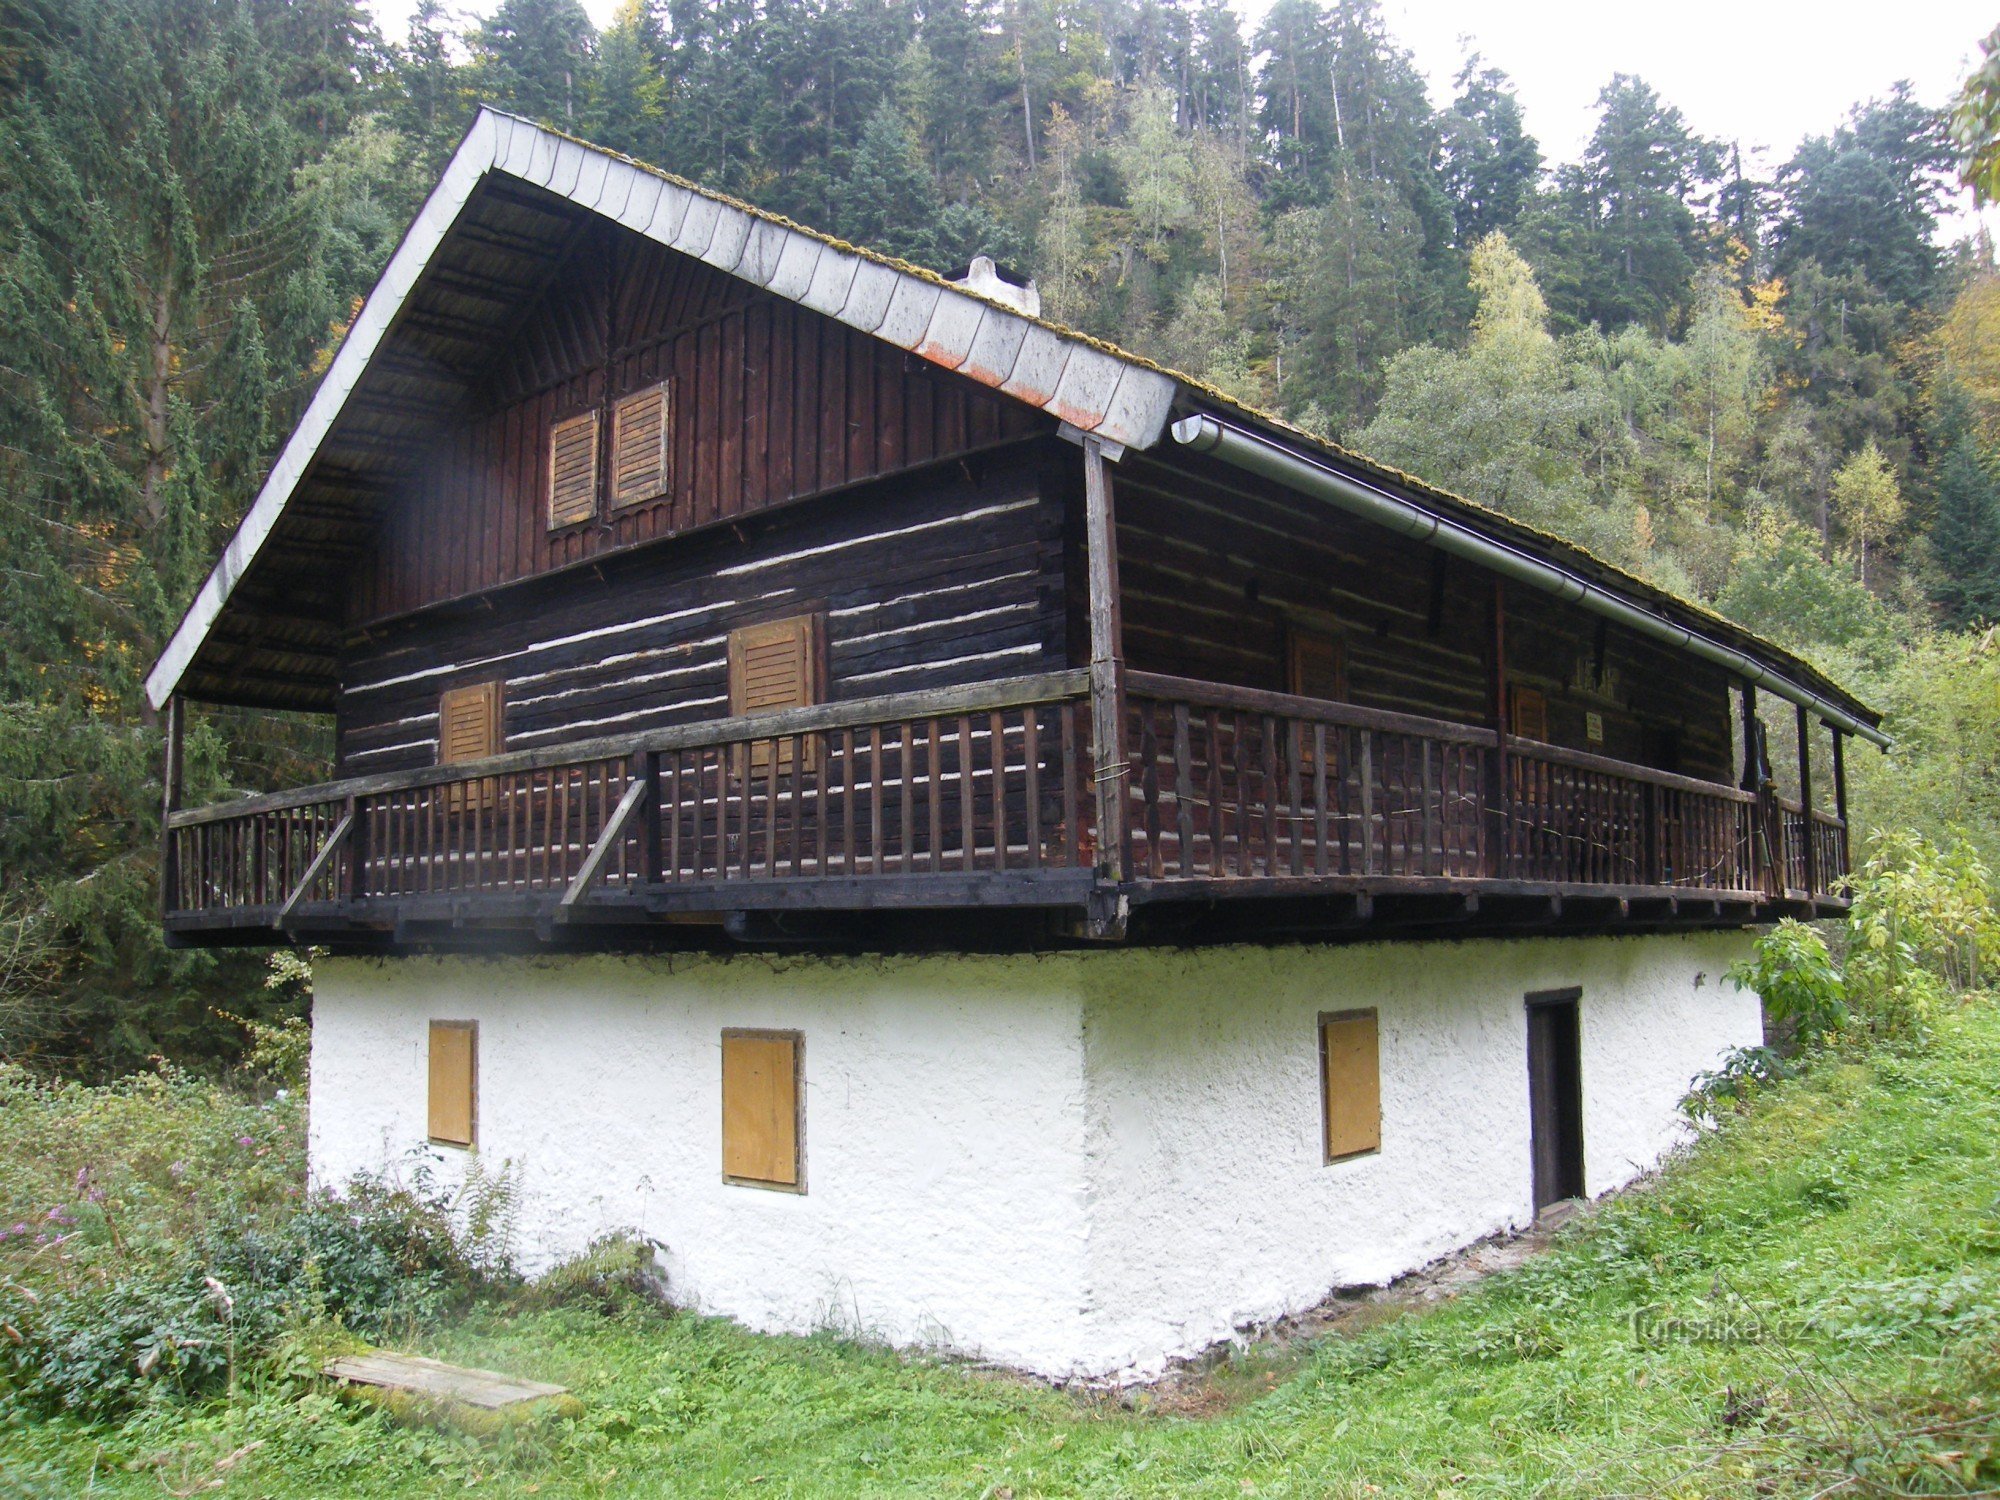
(1777, 394)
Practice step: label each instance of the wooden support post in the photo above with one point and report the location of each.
(1806, 801)
(354, 881)
(173, 777)
(1107, 691)
(1499, 799)
(1751, 780)
(1840, 803)
(1759, 856)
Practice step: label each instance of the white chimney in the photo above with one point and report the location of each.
(983, 277)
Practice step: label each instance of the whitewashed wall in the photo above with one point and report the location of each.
(943, 1140)
(1211, 1204)
(1080, 1164)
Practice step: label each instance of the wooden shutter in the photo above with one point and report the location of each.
(573, 470)
(469, 728)
(1531, 714)
(761, 1115)
(1316, 665)
(639, 447)
(775, 666)
(1351, 1083)
(454, 1082)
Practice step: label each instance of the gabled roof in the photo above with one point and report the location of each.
(489, 239)
(1086, 384)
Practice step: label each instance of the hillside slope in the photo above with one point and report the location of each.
(1807, 1304)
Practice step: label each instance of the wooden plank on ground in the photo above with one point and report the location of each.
(412, 1374)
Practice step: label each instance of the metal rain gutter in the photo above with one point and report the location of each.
(1256, 455)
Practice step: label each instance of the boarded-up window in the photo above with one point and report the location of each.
(1531, 714)
(1315, 665)
(762, 1134)
(469, 728)
(1350, 1073)
(639, 446)
(454, 1085)
(573, 470)
(775, 666)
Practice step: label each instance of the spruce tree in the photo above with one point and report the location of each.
(160, 289)
(1966, 537)
(537, 58)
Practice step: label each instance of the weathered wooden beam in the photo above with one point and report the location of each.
(172, 780)
(1806, 798)
(593, 862)
(1311, 710)
(1500, 802)
(1584, 761)
(1107, 688)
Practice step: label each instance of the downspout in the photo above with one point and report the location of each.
(1255, 455)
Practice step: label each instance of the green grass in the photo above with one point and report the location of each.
(1855, 1213)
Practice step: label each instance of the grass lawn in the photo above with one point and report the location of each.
(1818, 1289)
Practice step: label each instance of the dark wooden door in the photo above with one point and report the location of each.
(1555, 1095)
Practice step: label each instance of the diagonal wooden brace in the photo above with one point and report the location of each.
(317, 868)
(593, 862)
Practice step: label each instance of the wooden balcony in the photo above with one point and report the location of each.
(988, 799)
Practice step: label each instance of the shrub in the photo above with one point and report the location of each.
(377, 1260)
(1743, 1073)
(1795, 975)
(618, 1272)
(1922, 922)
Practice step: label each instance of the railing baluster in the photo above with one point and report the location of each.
(934, 788)
(875, 800)
(1218, 813)
(1031, 775)
(905, 830)
(1367, 803)
(1183, 791)
(967, 839)
(1149, 786)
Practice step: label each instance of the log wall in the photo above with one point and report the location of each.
(1215, 566)
(950, 575)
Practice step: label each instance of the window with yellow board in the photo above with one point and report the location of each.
(1350, 1072)
(454, 1082)
(763, 1112)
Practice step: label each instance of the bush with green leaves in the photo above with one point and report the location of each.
(1793, 972)
(98, 1339)
(1922, 930)
(156, 1238)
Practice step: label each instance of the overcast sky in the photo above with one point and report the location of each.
(1762, 72)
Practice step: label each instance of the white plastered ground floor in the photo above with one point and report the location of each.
(1080, 1164)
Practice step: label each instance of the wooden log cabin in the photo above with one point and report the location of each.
(685, 585)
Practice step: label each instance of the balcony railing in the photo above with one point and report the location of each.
(986, 794)
(1232, 783)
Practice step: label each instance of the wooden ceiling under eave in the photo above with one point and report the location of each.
(276, 643)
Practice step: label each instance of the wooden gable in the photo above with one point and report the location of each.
(718, 400)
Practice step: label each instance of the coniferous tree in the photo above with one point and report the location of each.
(628, 111)
(1866, 198)
(537, 58)
(890, 201)
(1491, 163)
(1634, 197)
(1966, 537)
(428, 99)
(161, 292)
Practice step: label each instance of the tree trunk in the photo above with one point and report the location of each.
(159, 376)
